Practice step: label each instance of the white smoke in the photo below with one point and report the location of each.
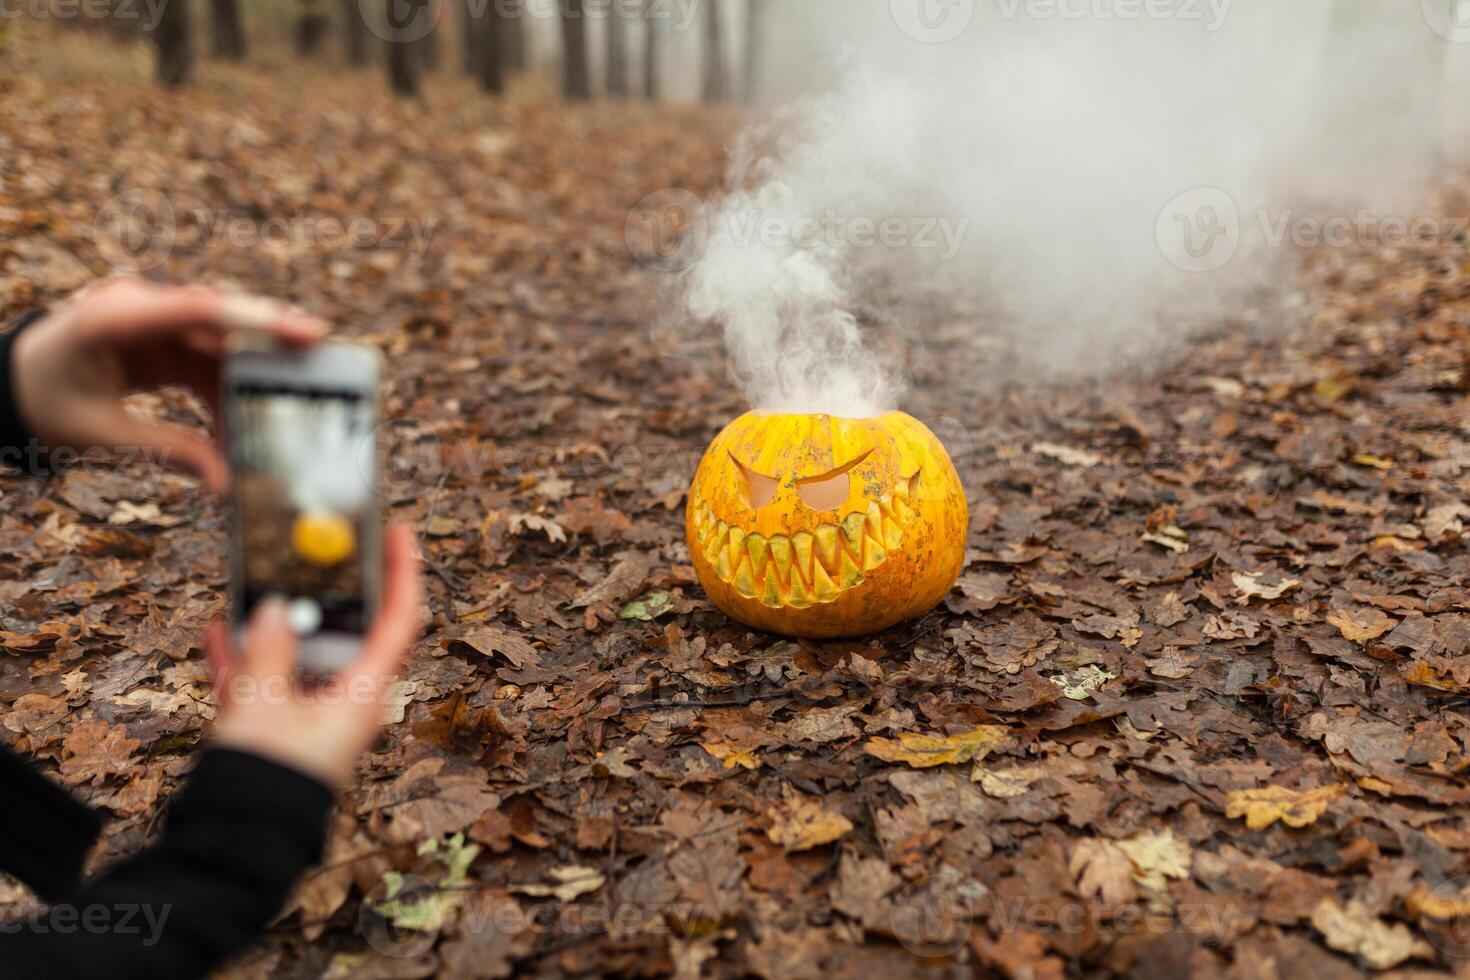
(1032, 163)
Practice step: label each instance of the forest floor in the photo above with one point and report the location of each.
(1197, 707)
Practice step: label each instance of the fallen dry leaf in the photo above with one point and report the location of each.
(1251, 586)
(1263, 807)
(1352, 928)
(922, 751)
(568, 882)
(1157, 856)
(1361, 625)
(1103, 870)
(799, 823)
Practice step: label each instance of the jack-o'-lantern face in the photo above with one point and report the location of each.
(811, 525)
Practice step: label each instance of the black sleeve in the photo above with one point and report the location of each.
(33, 808)
(238, 834)
(18, 447)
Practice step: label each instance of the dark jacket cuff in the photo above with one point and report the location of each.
(32, 805)
(17, 442)
(230, 786)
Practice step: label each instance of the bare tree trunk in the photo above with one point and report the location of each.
(576, 78)
(404, 70)
(355, 34)
(651, 86)
(490, 56)
(469, 34)
(755, 30)
(617, 54)
(227, 29)
(311, 28)
(174, 37)
(714, 53)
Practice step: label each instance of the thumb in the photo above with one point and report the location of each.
(270, 643)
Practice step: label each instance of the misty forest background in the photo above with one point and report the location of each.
(1197, 705)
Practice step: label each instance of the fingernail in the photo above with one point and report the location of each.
(273, 614)
(240, 311)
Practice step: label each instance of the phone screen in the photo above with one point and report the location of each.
(303, 461)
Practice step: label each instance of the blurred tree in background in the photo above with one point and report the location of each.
(712, 49)
(227, 30)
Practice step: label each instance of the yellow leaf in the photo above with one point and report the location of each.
(1263, 807)
(1376, 462)
(800, 823)
(1420, 673)
(1375, 785)
(1335, 388)
(731, 755)
(1362, 626)
(1443, 903)
(923, 751)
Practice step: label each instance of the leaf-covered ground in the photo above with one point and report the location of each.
(1197, 706)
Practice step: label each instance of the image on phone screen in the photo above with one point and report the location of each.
(302, 459)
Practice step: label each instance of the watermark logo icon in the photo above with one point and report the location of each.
(1450, 19)
(1199, 230)
(667, 231)
(401, 916)
(399, 21)
(134, 231)
(932, 21)
(1444, 916)
(410, 460)
(933, 919)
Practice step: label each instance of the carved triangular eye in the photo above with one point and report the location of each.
(761, 489)
(828, 491)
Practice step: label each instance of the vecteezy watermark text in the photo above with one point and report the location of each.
(1203, 229)
(406, 21)
(97, 919)
(1210, 14)
(941, 21)
(669, 230)
(138, 229)
(144, 12)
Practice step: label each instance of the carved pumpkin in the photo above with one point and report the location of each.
(811, 525)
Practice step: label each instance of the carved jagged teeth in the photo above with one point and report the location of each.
(802, 542)
(892, 534)
(781, 553)
(809, 566)
(827, 545)
(823, 588)
(799, 596)
(756, 545)
(852, 530)
(744, 580)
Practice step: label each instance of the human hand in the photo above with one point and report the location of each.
(317, 726)
(71, 369)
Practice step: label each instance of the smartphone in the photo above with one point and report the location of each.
(305, 526)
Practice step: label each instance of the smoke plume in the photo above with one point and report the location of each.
(1097, 173)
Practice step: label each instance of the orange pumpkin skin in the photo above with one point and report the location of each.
(781, 544)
